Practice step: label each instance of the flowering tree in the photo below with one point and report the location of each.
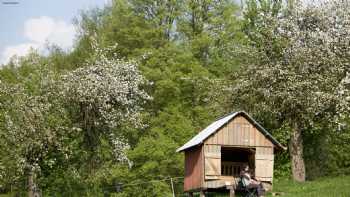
(307, 81)
(103, 95)
(40, 116)
(29, 134)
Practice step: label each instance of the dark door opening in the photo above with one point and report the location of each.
(233, 160)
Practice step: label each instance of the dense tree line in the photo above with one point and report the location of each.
(145, 76)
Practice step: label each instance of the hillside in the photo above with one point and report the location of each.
(323, 187)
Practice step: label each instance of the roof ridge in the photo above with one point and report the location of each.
(224, 116)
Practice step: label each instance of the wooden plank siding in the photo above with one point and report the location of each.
(194, 166)
(212, 161)
(239, 132)
(264, 160)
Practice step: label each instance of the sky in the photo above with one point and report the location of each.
(26, 24)
(34, 23)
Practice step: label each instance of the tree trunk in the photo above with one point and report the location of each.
(33, 190)
(296, 153)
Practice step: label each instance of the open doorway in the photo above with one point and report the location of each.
(233, 160)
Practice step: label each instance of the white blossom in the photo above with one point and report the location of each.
(108, 92)
(309, 79)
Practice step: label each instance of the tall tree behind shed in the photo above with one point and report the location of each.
(300, 75)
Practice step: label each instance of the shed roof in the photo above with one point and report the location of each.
(215, 126)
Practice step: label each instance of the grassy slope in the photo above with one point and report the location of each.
(324, 187)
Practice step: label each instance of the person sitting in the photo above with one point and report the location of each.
(250, 182)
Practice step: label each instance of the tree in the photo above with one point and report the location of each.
(136, 26)
(210, 28)
(101, 97)
(31, 129)
(181, 83)
(162, 14)
(304, 84)
(259, 24)
(183, 101)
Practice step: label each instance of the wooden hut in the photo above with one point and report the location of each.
(216, 155)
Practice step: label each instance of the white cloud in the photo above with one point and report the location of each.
(40, 31)
(47, 29)
(19, 50)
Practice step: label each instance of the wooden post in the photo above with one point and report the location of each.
(172, 186)
(232, 192)
(231, 188)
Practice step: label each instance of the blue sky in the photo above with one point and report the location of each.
(32, 23)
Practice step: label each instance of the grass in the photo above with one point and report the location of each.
(323, 187)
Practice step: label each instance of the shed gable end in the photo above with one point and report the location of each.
(239, 132)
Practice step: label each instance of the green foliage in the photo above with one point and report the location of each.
(331, 156)
(190, 53)
(32, 129)
(181, 82)
(260, 25)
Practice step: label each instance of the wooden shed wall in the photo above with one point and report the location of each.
(264, 159)
(239, 132)
(193, 168)
(212, 161)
